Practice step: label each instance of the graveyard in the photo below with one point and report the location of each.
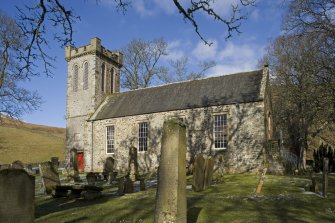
(282, 199)
(171, 194)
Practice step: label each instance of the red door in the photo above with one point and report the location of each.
(81, 164)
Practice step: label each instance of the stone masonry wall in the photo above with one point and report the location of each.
(246, 134)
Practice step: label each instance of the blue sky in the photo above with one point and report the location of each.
(149, 19)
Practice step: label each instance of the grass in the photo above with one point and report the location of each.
(282, 200)
(30, 143)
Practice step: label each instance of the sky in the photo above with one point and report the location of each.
(150, 19)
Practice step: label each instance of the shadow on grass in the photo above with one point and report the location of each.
(54, 205)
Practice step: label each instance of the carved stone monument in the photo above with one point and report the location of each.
(50, 177)
(55, 162)
(74, 173)
(198, 173)
(17, 193)
(209, 168)
(133, 164)
(108, 169)
(171, 192)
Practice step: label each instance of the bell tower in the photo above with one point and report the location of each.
(93, 74)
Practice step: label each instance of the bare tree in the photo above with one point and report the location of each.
(14, 100)
(140, 64)
(303, 104)
(179, 70)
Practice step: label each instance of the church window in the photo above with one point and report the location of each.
(143, 136)
(103, 77)
(110, 130)
(75, 78)
(85, 78)
(220, 130)
(112, 80)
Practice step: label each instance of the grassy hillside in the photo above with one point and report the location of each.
(30, 143)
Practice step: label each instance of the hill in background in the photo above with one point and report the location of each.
(30, 143)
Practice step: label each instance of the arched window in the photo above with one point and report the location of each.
(103, 77)
(112, 80)
(85, 78)
(75, 78)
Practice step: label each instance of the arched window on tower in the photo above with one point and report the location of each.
(112, 80)
(85, 77)
(103, 77)
(75, 78)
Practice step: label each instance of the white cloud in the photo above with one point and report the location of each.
(235, 58)
(225, 7)
(166, 5)
(174, 51)
(205, 52)
(142, 8)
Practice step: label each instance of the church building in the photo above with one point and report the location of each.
(227, 115)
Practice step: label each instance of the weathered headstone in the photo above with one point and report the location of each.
(91, 178)
(133, 164)
(171, 191)
(198, 173)
(128, 186)
(50, 177)
(17, 165)
(17, 192)
(55, 162)
(108, 169)
(121, 182)
(209, 168)
(325, 177)
(74, 173)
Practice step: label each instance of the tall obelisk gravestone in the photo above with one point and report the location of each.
(171, 191)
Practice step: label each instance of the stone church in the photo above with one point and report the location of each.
(228, 116)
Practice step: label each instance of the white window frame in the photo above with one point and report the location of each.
(220, 132)
(144, 147)
(110, 141)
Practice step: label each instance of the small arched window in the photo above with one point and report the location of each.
(85, 77)
(112, 80)
(75, 78)
(103, 77)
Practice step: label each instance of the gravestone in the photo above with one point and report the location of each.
(133, 164)
(209, 168)
(55, 162)
(198, 173)
(325, 177)
(17, 165)
(74, 173)
(108, 169)
(50, 177)
(121, 184)
(17, 192)
(171, 191)
(128, 186)
(91, 178)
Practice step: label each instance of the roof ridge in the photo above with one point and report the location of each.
(186, 81)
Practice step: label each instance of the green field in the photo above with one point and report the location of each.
(30, 143)
(283, 199)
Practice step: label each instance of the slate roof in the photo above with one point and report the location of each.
(212, 91)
